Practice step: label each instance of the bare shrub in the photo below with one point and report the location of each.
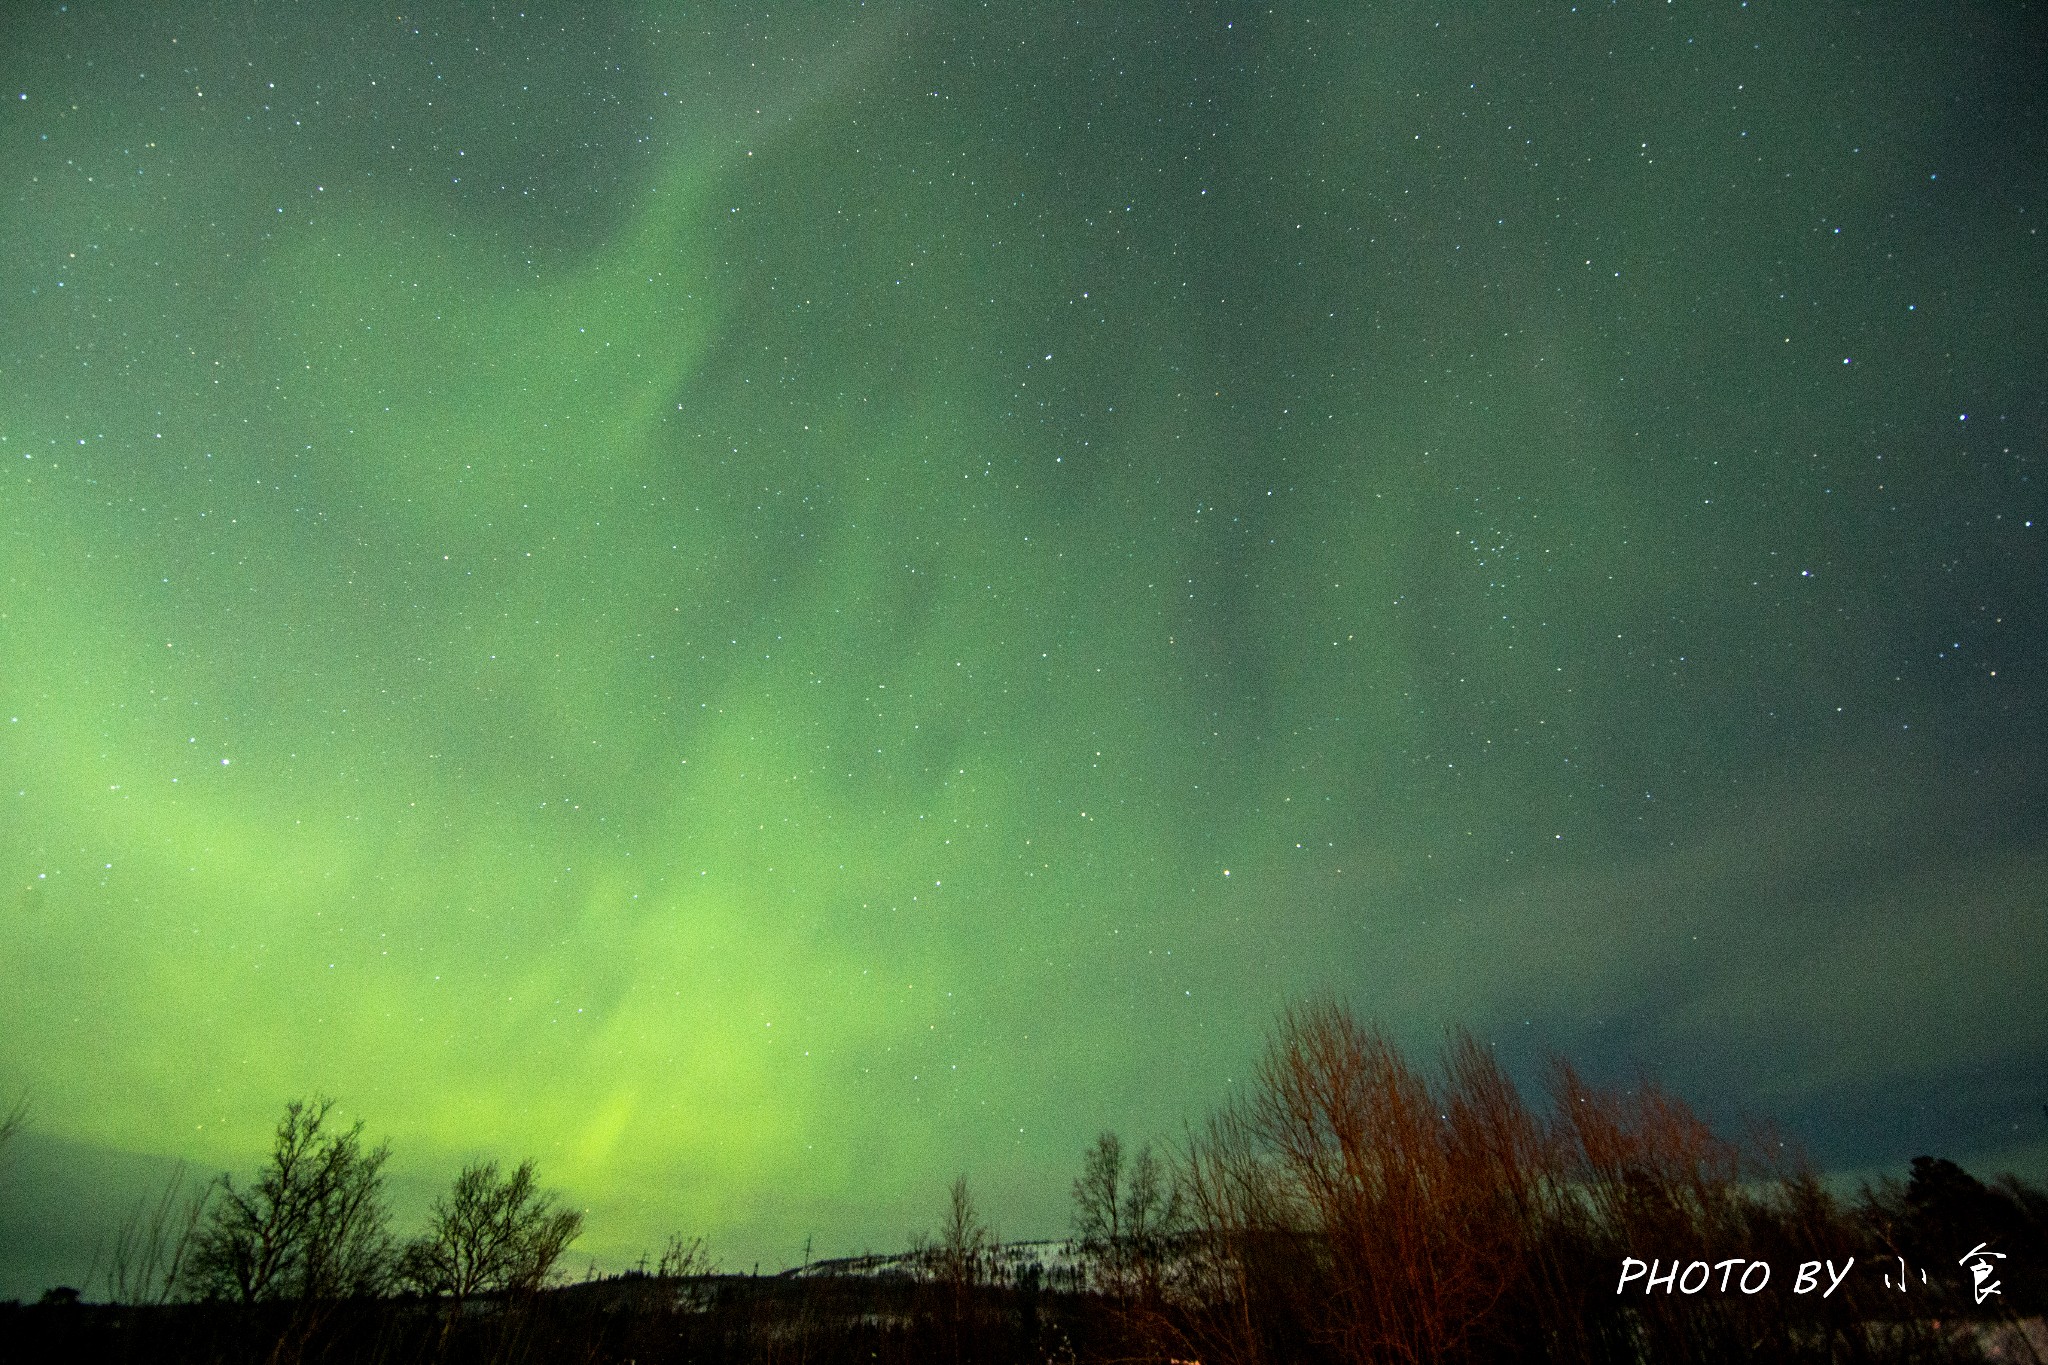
(1394, 1198)
(682, 1260)
(1350, 1207)
(147, 1263)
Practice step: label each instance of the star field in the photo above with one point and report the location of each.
(769, 607)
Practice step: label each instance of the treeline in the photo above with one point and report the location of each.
(1348, 1206)
(1352, 1207)
(314, 1227)
(287, 1258)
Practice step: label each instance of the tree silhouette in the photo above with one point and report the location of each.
(11, 1123)
(313, 1226)
(490, 1235)
(147, 1263)
(1098, 1203)
(1124, 1213)
(961, 1261)
(681, 1260)
(966, 1245)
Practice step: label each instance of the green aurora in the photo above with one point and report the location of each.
(770, 607)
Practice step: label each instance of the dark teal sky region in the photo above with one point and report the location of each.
(769, 606)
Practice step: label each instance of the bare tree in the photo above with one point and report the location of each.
(1098, 1201)
(1124, 1215)
(313, 1226)
(490, 1235)
(960, 1261)
(966, 1245)
(1523, 1205)
(1339, 1195)
(1651, 1172)
(12, 1122)
(1238, 1259)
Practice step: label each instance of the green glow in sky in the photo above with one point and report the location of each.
(769, 609)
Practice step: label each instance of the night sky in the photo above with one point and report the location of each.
(769, 607)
